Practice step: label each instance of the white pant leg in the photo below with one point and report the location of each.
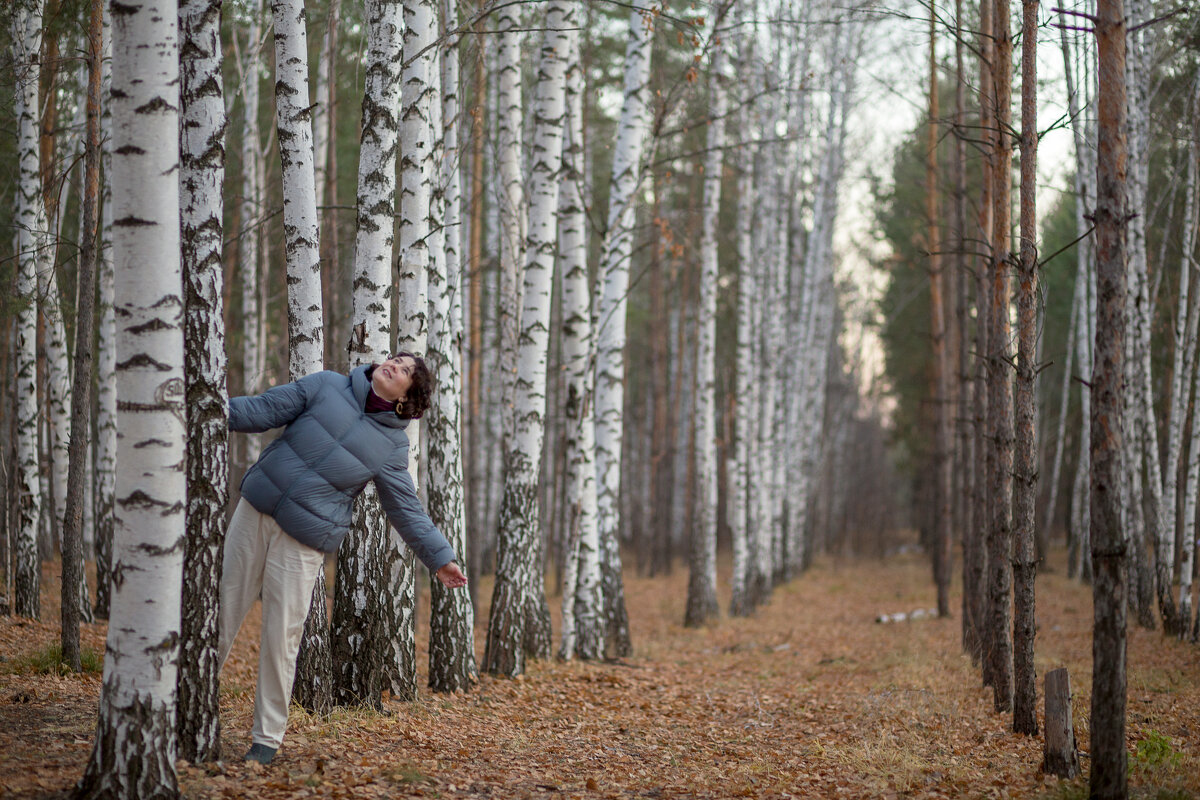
(241, 571)
(289, 575)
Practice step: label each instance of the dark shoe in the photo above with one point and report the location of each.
(260, 753)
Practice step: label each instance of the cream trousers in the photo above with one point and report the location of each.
(261, 558)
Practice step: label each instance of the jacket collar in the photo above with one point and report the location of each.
(360, 385)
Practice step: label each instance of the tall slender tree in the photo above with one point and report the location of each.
(452, 617)
(1109, 770)
(519, 625)
(74, 605)
(106, 352)
(582, 601)
(31, 254)
(1000, 424)
(359, 650)
(1025, 405)
(135, 746)
(293, 119)
(633, 129)
(201, 177)
(702, 582)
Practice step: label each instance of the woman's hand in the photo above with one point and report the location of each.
(451, 576)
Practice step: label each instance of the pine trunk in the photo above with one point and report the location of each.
(1109, 758)
(1025, 460)
(942, 552)
(1000, 421)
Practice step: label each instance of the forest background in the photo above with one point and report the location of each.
(777, 401)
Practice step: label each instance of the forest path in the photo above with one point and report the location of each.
(808, 698)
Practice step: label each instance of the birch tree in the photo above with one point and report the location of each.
(452, 617)
(250, 249)
(702, 583)
(135, 747)
(293, 119)
(201, 178)
(106, 352)
(520, 618)
(582, 601)
(360, 652)
(633, 129)
(1187, 530)
(31, 250)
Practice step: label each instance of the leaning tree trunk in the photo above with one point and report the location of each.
(582, 630)
(702, 580)
(452, 617)
(74, 605)
(359, 657)
(1025, 460)
(31, 245)
(106, 352)
(520, 619)
(1109, 772)
(633, 129)
(134, 752)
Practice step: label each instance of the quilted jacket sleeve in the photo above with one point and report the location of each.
(273, 408)
(399, 498)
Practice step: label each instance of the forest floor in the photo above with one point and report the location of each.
(810, 697)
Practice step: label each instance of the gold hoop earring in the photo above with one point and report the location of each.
(399, 407)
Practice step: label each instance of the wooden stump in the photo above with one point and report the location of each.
(1061, 754)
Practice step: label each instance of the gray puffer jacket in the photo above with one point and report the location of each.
(307, 478)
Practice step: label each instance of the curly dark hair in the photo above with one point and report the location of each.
(416, 401)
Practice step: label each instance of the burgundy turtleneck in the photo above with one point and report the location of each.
(376, 403)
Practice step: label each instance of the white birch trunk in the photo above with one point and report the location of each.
(510, 203)
(106, 349)
(1187, 550)
(582, 600)
(363, 655)
(743, 536)
(31, 242)
(633, 130)
(302, 243)
(452, 617)
(250, 217)
(520, 620)
(135, 747)
(702, 583)
(57, 399)
(201, 178)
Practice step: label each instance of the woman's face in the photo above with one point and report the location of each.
(391, 379)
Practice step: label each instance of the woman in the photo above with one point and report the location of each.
(340, 431)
